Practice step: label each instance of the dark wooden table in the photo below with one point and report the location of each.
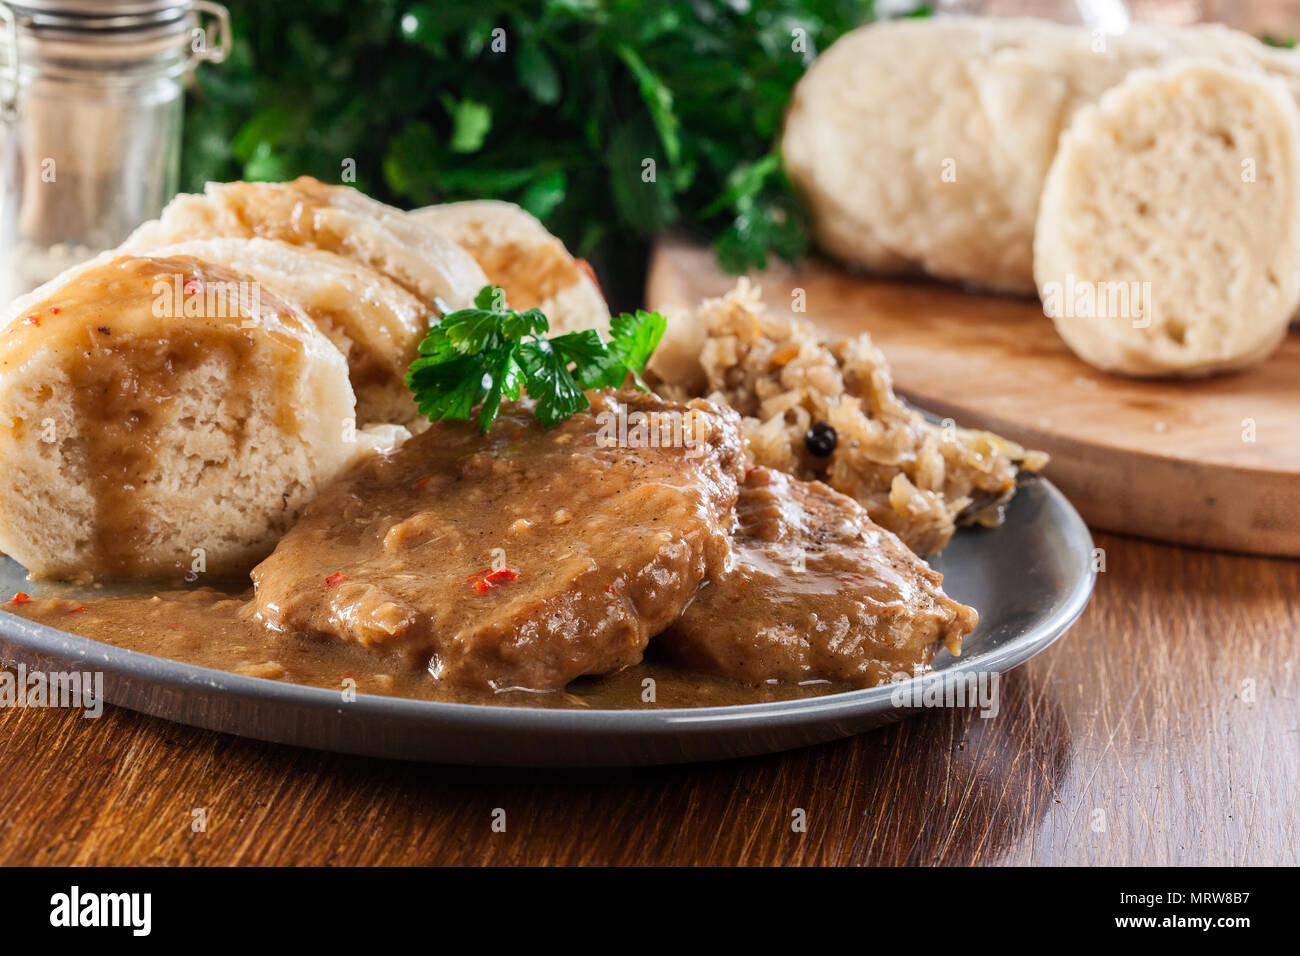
(1164, 729)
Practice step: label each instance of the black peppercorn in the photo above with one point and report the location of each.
(821, 439)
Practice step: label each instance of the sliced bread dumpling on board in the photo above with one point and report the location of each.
(162, 416)
(521, 256)
(339, 219)
(1168, 236)
(373, 321)
(921, 145)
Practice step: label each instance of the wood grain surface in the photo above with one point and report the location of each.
(1163, 729)
(1213, 463)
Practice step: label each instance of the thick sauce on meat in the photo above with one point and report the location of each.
(815, 590)
(524, 558)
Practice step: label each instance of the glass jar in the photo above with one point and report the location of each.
(91, 104)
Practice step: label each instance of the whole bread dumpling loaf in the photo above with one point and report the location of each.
(372, 320)
(922, 145)
(339, 219)
(160, 415)
(1168, 238)
(521, 256)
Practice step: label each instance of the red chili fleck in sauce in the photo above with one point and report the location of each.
(75, 610)
(338, 577)
(421, 483)
(484, 584)
(32, 319)
(20, 598)
(55, 311)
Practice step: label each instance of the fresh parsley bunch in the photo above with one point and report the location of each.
(481, 356)
(610, 120)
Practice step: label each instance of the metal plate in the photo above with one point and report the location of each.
(1029, 579)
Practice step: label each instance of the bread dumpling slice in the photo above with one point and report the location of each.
(521, 256)
(162, 415)
(339, 219)
(1168, 236)
(373, 321)
(922, 144)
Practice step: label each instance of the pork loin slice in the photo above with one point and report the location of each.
(520, 559)
(815, 591)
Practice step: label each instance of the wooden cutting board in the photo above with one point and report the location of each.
(1213, 463)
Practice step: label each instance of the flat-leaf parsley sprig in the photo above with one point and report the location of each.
(484, 355)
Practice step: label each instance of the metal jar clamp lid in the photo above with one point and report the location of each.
(146, 25)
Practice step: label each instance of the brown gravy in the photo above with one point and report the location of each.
(527, 557)
(774, 588)
(204, 627)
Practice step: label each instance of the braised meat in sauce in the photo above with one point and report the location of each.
(815, 591)
(524, 558)
(623, 558)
